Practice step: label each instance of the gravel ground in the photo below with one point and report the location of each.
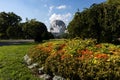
(14, 42)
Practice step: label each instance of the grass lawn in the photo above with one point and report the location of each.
(12, 66)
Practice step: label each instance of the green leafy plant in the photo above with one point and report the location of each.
(78, 59)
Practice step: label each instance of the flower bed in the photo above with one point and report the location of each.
(78, 59)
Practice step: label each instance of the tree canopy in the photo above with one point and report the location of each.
(7, 20)
(113, 2)
(11, 27)
(100, 21)
(35, 30)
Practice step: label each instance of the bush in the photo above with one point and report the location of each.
(38, 56)
(78, 59)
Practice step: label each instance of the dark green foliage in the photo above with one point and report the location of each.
(35, 30)
(100, 21)
(49, 35)
(7, 20)
(15, 32)
(11, 28)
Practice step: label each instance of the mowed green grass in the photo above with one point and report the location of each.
(12, 66)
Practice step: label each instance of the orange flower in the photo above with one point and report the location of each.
(101, 56)
(65, 56)
(46, 49)
(60, 52)
(86, 52)
(50, 44)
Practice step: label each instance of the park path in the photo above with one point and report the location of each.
(14, 42)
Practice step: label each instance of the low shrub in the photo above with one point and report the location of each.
(78, 59)
(38, 56)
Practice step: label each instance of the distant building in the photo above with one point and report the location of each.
(57, 28)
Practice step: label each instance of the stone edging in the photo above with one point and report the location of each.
(40, 71)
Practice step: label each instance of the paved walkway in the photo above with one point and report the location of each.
(14, 42)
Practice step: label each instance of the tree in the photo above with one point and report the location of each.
(100, 21)
(35, 30)
(15, 32)
(6, 20)
(116, 2)
(74, 26)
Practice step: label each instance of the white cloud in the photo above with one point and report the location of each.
(64, 17)
(55, 7)
(51, 8)
(61, 7)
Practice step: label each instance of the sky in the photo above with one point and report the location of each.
(46, 11)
